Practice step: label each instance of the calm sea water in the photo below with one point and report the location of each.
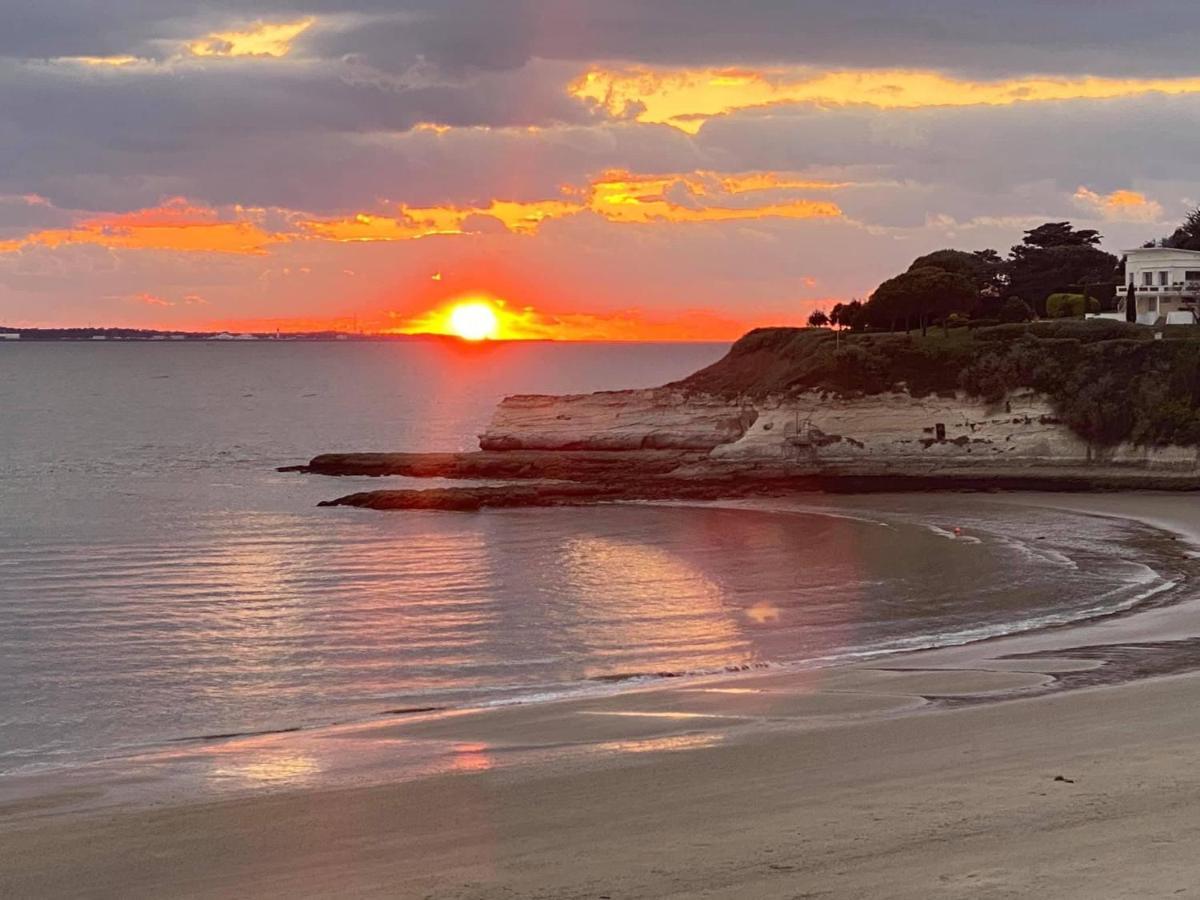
(160, 581)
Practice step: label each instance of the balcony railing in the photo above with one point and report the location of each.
(1177, 287)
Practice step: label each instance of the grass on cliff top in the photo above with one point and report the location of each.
(1109, 381)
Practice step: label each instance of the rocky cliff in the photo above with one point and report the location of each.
(801, 410)
(661, 419)
(814, 430)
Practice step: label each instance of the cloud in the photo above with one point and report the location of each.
(617, 196)
(966, 36)
(1119, 206)
(687, 98)
(179, 225)
(151, 300)
(260, 39)
(176, 226)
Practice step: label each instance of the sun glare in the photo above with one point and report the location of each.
(474, 321)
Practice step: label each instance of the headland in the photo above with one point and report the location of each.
(1069, 405)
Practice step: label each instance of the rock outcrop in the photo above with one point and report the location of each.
(746, 427)
(660, 419)
(896, 430)
(735, 448)
(813, 429)
(507, 465)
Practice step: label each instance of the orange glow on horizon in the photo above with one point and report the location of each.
(528, 323)
(474, 320)
(531, 324)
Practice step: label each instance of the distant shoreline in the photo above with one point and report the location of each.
(10, 334)
(140, 334)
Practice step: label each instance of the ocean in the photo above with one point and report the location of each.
(160, 582)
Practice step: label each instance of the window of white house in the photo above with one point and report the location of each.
(1147, 278)
(1164, 278)
(1191, 276)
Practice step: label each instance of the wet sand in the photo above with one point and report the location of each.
(1001, 769)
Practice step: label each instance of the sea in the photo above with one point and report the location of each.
(161, 582)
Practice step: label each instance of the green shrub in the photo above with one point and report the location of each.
(1016, 310)
(1061, 306)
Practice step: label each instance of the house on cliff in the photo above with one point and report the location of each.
(1166, 284)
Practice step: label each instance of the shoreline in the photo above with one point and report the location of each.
(520, 478)
(813, 731)
(603, 686)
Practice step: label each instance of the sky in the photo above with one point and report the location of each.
(682, 169)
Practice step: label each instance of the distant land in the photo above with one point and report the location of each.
(9, 333)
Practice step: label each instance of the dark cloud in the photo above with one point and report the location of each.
(991, 150)
(978, 36)
(255, 132)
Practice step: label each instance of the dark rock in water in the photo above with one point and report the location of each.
(507, 464)
(719, 481)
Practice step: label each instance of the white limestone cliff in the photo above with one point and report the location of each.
(615, 420)
(891, 430)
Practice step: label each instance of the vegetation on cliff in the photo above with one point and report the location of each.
(1109, 382)
(1052, 261)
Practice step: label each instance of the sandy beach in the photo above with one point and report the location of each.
(1008, 768)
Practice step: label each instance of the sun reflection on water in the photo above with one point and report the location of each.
(636, 597)
(269, 767)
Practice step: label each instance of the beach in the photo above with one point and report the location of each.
(952, 772)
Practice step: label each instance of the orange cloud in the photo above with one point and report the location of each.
(261, 39)
(617, 196)
(176, 225)
(1119, 206)
(621, 197)
(104, 61)
(686, 98)
(418, 222)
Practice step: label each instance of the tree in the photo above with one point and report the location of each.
(1015, 310)
(848, 315)
(1187, 235)
(1055, 257)
(983, 268)
(1060, 234)
(818, 319)
(920, 294)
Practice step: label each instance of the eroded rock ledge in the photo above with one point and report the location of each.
(758, 422)
(512, 464)
(671, 445)
(659, 419)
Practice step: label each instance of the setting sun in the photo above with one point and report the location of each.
(474, 321)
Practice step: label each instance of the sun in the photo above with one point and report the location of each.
(474, 320)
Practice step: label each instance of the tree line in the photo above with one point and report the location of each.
(1043, 275)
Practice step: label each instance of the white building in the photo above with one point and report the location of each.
(10, 335)
(1167, 283)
